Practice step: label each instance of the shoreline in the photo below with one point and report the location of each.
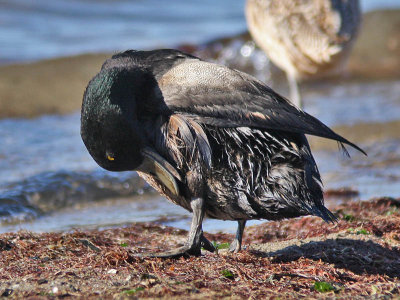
(56, 86)
(303, 257)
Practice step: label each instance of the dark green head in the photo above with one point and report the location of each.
(109, 126)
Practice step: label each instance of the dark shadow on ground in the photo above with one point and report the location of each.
(360, 257)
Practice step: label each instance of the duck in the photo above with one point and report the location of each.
(307, 39)
(213, 140)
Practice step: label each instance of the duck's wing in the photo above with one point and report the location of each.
(216, 95)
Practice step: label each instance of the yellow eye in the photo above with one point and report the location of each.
(110, 157)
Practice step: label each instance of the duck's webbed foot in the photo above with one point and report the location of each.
(206, 244)
(196, 239)
(178, 252)
(236, 244)
(186, 250)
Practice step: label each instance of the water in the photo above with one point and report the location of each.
(342, 105)
(37, 29)
(48, 181)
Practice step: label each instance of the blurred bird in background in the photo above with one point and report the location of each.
(305, 38)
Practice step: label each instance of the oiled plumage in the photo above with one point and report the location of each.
(231, 137)
(213, 140)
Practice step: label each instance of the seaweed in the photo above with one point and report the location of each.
(294, 258)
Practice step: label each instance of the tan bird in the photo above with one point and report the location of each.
(305, 38)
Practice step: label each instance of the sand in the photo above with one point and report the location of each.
(56, 86)
(46, 87)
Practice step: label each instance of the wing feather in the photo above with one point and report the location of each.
(216, 95)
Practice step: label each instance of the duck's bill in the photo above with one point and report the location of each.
(155, 165)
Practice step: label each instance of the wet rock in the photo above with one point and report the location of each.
(345, 192)
(376, 53)
(50, 191)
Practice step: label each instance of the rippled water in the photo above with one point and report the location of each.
(37, 29)
(46, 171)
(48, 181)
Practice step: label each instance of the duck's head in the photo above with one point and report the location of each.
(109, 126)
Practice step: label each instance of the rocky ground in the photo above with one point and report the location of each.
(356, 258)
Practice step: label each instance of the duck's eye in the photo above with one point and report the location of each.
(110, 157)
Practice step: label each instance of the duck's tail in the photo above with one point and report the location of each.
(324, 213)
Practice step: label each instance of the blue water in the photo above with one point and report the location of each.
(38, 29)
(48, 181)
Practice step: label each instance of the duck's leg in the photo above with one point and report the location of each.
(236, 244)
(294, 90)
(195, 237)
